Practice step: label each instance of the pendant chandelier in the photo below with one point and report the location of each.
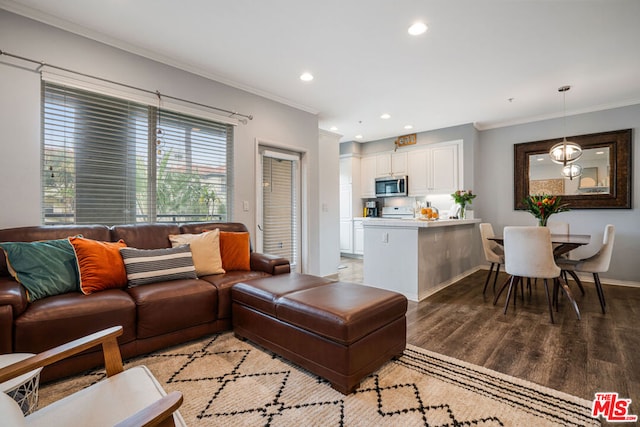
(565, 152)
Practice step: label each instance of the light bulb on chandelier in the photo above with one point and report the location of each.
(565, 152)
(571, 171)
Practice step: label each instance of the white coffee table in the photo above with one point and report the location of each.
(23, 389)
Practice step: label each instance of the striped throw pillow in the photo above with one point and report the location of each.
(156, 265)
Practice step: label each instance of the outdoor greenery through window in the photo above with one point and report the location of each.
(113, 161)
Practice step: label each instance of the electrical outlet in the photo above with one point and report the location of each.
(385, 237)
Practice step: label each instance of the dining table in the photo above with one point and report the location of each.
(562, 243)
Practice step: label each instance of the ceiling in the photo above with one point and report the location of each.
(489, 62)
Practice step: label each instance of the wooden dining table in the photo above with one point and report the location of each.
(562, 243)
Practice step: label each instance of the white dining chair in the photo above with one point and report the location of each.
(493, 253)
(595, 264)
(528, 253)
(558, 227)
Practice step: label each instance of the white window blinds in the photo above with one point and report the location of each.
(113, 161)
(280, 205)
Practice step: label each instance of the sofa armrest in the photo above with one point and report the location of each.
(6, 329)
(13, 301)
(12, 293)
(269, 263)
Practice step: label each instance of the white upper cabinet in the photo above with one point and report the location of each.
(391, 164)
(345, 170)
(368, 177)
(418, 175)
(434, 170)
(445, 176)
(430, 169)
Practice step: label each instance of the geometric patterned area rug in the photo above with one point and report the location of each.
(229, 382)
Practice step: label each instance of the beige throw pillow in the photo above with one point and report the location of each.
(205, 249)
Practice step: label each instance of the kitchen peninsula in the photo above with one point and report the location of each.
(418, 258)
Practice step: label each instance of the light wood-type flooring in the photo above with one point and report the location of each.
(600, 353)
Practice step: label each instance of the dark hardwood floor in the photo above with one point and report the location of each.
(600, 353)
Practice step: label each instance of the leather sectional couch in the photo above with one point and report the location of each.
(153, 316)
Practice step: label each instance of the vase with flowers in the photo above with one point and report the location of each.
(543, 206)
(463, 198)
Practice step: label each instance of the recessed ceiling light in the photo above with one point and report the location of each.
(333, 128)
(408, 127)
(385, 116)
(306, 77)
(417, 29)
(599, 152)
(359, 136)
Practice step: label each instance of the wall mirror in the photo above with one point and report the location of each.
(606, 171)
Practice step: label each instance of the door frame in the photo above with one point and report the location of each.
(303, 261)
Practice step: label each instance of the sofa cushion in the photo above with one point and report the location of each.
(145, 266)
(100, 264)
(342, 312)
(44, 232)
(44, 268)
(224, 283)
(165, 307)
(145, 236)
(235, 251)
(62, 318)
(205, 248)
(262, 294)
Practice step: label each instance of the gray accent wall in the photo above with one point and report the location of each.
(494, 184)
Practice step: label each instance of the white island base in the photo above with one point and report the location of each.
(418, 258)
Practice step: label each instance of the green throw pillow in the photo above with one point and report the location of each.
(45, 268)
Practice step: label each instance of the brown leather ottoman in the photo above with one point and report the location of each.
(339, 331)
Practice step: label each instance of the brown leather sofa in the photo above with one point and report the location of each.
(153, 316)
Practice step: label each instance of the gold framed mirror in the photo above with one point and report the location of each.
(606, 172)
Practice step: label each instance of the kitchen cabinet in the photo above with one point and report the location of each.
(418, 258)
(358, 237)
(346, 236)
(346, 171)
(391, 164)
(346, 206)
(434, 170)
(368, 177)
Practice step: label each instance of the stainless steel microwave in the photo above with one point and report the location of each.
(391, 186)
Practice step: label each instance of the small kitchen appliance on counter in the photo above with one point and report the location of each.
(371, 209)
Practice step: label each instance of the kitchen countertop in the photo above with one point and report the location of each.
(416, 223)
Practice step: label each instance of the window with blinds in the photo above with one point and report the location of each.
(113, 161)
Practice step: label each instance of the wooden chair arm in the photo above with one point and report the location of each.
(107, 337)
(156, 413)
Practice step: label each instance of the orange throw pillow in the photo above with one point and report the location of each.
(100, 264)
(234, 250)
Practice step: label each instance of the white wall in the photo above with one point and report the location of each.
(494, 184)
(329, 239)
(20, 118)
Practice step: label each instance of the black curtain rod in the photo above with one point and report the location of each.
(153, 92)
